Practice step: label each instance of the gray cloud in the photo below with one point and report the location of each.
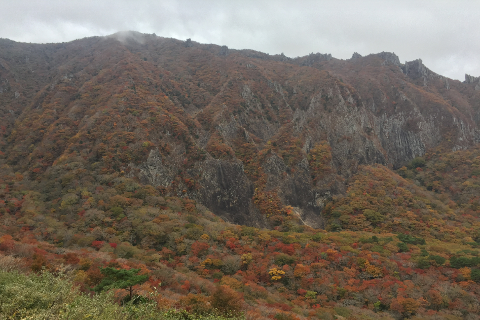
(443, 33)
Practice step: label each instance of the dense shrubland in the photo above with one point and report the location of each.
(392, 248)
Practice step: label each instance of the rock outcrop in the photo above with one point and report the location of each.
(223, 51)
(355, 55)
(390, 57)
(313, 58)
(471, 79)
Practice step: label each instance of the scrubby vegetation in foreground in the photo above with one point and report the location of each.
(54, 296)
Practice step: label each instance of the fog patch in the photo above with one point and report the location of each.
(128, 36)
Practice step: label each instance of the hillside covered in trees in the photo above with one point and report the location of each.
(239, 184)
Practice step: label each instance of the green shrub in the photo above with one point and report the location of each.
(283, 316)
(438, 259)
(406, 238)
(475, 275)
(373, 239)
(418, 162)
(402, 247)
(423, 264)
(374, 217)
(460, 262)
(377, 248)
(317, 237)
(283, 259)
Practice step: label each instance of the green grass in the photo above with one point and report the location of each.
(49, 296)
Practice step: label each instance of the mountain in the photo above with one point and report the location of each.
(245, 185)
(244, 133)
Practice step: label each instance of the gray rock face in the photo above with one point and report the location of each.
(471, 79)
(316, 57)
(355, 55)
(227, 191)
(295, 190)
(415, 69)
(154, 172)
(403, 138)
(223, 51)
(359, 137)
(390, 57)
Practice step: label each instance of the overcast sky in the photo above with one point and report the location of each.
(445, 34)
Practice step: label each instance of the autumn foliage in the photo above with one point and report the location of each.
(105, 156)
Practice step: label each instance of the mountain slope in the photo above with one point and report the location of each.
(245, 133)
